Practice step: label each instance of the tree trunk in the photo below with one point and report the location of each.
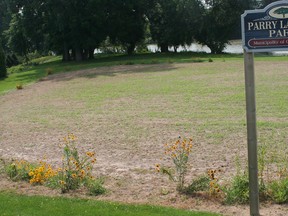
(175, 49)
(164, 47)
(78, 54)
(85, 54)
(91, 53)
(66, 55)
(131, 48)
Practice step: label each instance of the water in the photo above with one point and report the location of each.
(234, 47)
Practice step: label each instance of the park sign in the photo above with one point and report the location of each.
(266, 30)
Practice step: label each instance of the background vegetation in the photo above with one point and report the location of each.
(76, 28)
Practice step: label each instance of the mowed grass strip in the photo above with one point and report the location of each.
(12, 204)
(26, 74)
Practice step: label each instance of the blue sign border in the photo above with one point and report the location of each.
(259, 36)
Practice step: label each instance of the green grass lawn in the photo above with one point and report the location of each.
(28, 74)
(25, 74)
(12, 205)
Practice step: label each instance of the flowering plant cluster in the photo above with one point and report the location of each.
(76, 170)
(179, 153)
(214, 188)
(18, 170)
(42, 174)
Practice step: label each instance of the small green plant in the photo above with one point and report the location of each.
(278, 190)
(95, 186)
(49, 71)
(178, 152)
(19, 86)
(199, 184)
(238, 192)
(210, 60)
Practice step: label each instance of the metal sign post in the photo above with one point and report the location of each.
(251, 133)
(263, 30)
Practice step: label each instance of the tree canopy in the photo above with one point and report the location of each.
(75, 28)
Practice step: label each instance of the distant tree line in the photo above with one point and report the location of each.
(75, 28)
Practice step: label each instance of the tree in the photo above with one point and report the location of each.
(219, 21)
(16, 35)
(3, 70)
(32, 12)
(174, 22)
(5, 18)
(77, 26)
(126, 22)
(282, 11)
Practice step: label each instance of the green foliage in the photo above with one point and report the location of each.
(238, 192)
(278, 190)
(177, 31)
(75, 28)
(219, 23)
(17, 38)
(199, 184)
(128, 21)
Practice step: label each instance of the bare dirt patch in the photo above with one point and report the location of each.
(34, 119)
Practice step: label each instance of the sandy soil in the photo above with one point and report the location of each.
(128, 169)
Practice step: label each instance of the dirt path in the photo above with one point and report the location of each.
(126, 160)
